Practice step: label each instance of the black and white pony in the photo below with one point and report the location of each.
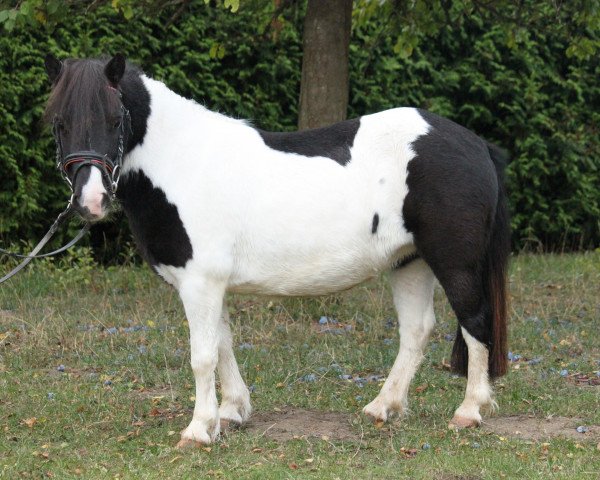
(217, 205)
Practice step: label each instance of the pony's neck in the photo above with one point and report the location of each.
(136, 99)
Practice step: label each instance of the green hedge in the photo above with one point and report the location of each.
(532, 100)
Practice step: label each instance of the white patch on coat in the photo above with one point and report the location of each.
(272, 222)
(93, 193)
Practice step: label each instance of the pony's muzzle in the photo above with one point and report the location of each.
(94, 209)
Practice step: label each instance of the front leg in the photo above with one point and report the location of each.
(235, 404)
(203, 299)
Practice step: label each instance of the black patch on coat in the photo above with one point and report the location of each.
(333, 141)
(155, 223)
(136, 99)
(450, 206)
(375, 224)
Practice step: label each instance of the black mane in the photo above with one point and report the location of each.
(81, 93)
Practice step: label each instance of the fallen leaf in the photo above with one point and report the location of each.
(421, 388)
(409, 452)
(30, 422)
(293, 466)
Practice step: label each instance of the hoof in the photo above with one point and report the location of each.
(229, 424)
(376, 411)
(377, 422)
(458, 423)
(187, 444)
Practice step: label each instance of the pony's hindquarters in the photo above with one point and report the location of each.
(456, 210)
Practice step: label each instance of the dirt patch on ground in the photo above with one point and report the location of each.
(292, 423)
(533, 428)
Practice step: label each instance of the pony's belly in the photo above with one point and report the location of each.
(319, 274)
(293, 284)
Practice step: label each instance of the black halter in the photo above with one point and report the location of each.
(110, 169)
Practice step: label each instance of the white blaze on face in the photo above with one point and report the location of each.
(93, 193)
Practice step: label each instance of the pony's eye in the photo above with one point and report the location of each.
(117, 123)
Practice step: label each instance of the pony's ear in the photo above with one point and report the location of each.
(115, 69)
(53, 67)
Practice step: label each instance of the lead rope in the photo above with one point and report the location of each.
(33, 254)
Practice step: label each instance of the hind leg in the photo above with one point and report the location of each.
(464, 290)
(412, 287)
(235, 404)
(479, 391)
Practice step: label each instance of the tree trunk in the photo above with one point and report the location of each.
(324, 85)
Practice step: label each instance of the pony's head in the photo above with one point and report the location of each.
(90, 126)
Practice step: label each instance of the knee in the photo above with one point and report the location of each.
(204, 363)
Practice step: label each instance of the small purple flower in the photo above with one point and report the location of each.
(61, 368)
(535, 361)
(426, 446)
(514, 357)
(360, 382)
(345, 376)
(387, 341)
(323, 320)
(112, 330)
(358, 398)
(449, 337)
(582, 429)
(51, 396)
(564, 373)
(475, 445)
(142, 349)
(107, 382)
(390, 323)
(246, 346)
(252, 388)
(311, 377)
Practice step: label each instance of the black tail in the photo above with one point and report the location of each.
(495, 278)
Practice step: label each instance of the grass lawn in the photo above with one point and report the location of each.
(95, 382)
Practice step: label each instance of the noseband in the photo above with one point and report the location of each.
(110, 169)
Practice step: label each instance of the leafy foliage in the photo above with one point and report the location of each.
(533, 99)
(526, 89)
